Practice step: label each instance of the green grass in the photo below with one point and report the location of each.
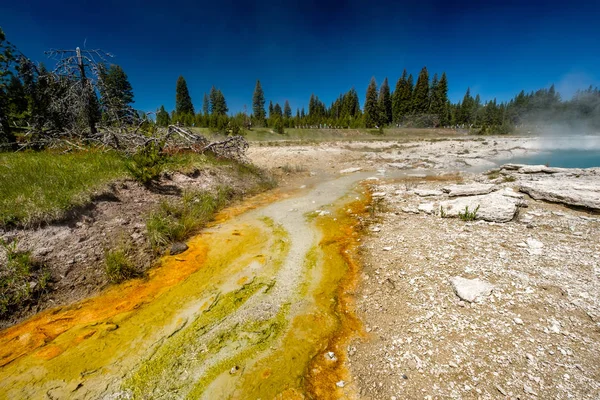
(21, 279)
(468, 215)
(118, 264)
(177, 220)
(42, 186)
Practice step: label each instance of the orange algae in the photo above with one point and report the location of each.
(85, 355)
(43, 328)
(46, 326)
(341, 237)
(296, 366)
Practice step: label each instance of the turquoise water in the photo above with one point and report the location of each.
(561, 158)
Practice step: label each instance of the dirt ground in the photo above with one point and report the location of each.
(537, 335)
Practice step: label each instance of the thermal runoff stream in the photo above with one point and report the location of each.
(257, 307)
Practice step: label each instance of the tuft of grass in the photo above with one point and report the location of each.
(118, 264)
(493, 175)
(21, 279)
(509, 178)
(176, 221)
(39, 187)
(289, 168)
(377, 207)
(443, 212)
(468, 215)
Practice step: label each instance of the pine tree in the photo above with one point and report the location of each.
(116, 93)
(270, 108)
(162, 117)
(277, 110)
(205, 105)
(385, 102)
(183, 100)
(218, 104)
(287, 110)
(258, 103)
(397, 98)
(372, 114)
(350, 104)
(421, 93)
(442, 96)
(467, 109)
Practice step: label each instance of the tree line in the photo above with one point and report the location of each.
(420, 104)
(73, 97)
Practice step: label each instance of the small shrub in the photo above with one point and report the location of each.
(509, 178)
(21, 279)
(468, 215)
(118, 265)
(146, 165)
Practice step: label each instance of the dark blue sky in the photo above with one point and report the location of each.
(326, 47)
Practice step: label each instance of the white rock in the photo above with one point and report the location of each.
(493, 207)
(529, 390)
(582, 192)
(534, 246)
(427, 192)
(427, 208)
(469, 190)
(410, 210)
(379, 194)
(387, 248)
(340, 384)
(471, 290)
(518, 321)
(350, 170)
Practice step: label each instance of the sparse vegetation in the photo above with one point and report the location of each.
(176, 221)
(21, 278)
(118, 264)
(443, 212)
(468, 215)
(377, 206)
(290, 169)
(493, 175)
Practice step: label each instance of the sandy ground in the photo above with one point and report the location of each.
(537, 335)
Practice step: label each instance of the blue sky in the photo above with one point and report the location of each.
(318, 46)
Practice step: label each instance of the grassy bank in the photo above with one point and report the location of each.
(39, 187)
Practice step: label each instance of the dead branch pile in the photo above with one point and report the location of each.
(174, 139)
